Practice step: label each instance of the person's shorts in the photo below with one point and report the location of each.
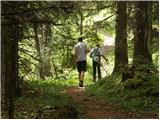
(81, 66)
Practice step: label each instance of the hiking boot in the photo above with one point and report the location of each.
(81, 83)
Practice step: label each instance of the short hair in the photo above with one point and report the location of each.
(80, 39)
(97, 44)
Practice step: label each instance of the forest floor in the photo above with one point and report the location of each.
(92, 108)
(48, 100)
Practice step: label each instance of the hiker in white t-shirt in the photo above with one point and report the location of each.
(81, 51)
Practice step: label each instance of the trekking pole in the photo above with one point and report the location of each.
(104, 69)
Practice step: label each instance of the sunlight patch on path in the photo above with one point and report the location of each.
(75, 89)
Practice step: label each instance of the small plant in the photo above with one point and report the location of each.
(41, 95)
(137, 94)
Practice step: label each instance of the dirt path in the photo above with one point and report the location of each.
(95, 109)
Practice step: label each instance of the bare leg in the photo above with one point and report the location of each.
(82, 75)
(81, 78)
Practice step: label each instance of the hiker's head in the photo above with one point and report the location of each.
(97, 45)
(80, 39)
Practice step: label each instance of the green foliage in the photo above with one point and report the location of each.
(39, 95)
(154, 48)
(137, 94)
(72, 79)
(60, 31)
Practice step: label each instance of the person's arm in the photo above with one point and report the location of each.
(104, 57)
(74, 54)
(101, 54)
(87, 50)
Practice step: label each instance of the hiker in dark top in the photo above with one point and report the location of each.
(80, 55)
(96, 55)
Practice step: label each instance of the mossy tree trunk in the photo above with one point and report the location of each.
(142, 33)
(121, 50)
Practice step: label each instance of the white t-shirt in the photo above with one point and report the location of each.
(80, 51)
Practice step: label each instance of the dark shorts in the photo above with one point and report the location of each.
(81, 66)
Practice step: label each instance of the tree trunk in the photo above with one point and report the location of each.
(10, 72)
(2, 60)
(64, 58)
(148, 31)
(81, 23)
(121, 51)
(37, 45)
(55, 69)
(10, 36)
(141, 53)
(47, 55)
(48, 34)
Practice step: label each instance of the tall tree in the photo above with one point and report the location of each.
(81, 23)
(148, 29)
(141, 53)
(10, 37)
(39, 55)
(121, 52)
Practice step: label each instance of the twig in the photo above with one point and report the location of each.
(29, 62)
(22, 49)
(29, 55)
(99, 22)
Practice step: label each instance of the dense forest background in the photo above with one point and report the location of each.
(37, 41)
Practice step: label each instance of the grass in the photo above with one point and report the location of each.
(139, 99)
(40, 95)
(73, 79)
(49, 94)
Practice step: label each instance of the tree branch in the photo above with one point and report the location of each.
(34, 10)
(99, 22)
(29, 54)
(31, 21)
(22, 49)
(29, 62)
(25, 66)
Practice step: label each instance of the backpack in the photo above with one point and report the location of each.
(95, 54)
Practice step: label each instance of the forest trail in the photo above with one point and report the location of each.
(96, 109)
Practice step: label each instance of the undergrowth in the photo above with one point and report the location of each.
(139, 94)
(38, 96)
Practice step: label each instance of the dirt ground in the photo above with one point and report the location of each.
(93, 108)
